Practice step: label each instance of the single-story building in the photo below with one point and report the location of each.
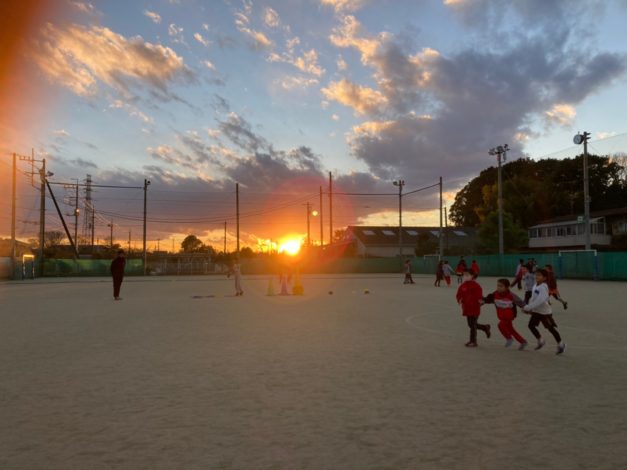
(567, 232)
(383, 241)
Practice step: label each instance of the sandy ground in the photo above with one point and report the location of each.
(161, 380)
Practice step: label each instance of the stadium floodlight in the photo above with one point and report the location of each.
(582, 138)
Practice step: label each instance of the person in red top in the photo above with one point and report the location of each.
(474, 267)
(505, 302)
(469, 296)
(551, 281)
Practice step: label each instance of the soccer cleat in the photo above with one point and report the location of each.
(540, 345)
(522, 346)
(565, 305)
(471, 344)
(488, 331)
(561, 348)
(509, 342)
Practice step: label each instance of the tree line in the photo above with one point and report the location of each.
(535, 191)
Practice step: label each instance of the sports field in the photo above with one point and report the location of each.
(162, 380)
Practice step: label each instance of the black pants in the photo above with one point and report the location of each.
(547, 321)
(527, 296)
(117, 284)
(408, 279)
(474, 325)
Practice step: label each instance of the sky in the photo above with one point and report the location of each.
(199, 95)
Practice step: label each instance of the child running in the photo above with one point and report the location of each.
(461, 267)
(236, 272)
(448, 272)
(529, 280)
(541, 312)
(552, 283)
(505, 302)
(469, 295)
(439, 274)
(408, 278)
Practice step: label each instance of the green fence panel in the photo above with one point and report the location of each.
(89, 267)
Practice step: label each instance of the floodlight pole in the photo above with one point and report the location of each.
(579, 139)
(441, 240)
(13, 215)
(76, 212)
(400, 183)
(321, 221)
(330, 208)
(42, 216)
(237, 218)
(144, 254)
(501, 156)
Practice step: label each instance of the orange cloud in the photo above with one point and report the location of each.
(78, 58)
(362, 99)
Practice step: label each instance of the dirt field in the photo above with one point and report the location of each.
(162, 380)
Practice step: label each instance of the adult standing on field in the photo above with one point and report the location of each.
(117, 272)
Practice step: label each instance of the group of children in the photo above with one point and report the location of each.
(444, 271)
(540, 286)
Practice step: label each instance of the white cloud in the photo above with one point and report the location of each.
(271, 18)
(176, 33)
(605, 135)
(335, 117)
(562, 114)
(290, 82)
(198, 37)
(341, 64)
(61, 133)
(345, 5)
(242, 21)
(209, 65)
(154, 17)
(84, 7)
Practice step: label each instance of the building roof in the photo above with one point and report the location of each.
(388, 236)
(572, 218)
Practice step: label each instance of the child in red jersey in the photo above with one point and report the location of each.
(551, 281)
(469, 295)
(505, 302)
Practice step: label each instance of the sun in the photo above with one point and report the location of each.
(290, 246)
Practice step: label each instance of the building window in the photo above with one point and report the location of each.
(435, 233)
(388, 233)
(459, 233)
(368, 233)
(413, 233)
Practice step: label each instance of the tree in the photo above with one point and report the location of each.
(53, 238)
(246, 252)
(191, 244)
(534, 191)
(514, 236)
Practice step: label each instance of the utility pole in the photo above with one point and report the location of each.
(441, 237)
(579, 139)
(321, 221)
(330, 208)
(13, 215)
(237, 217)
(111, 239)
(93, 227)
(146, 184)
(129, 241)
(400, 184)
(42, 216)
(308, 224)
(76, 212)
(225, 237)
(446, 225)
(501, 156)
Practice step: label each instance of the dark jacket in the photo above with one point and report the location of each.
(117, 267)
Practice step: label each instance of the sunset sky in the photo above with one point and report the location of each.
(197, 95)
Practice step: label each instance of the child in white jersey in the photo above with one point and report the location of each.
(541, 312)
